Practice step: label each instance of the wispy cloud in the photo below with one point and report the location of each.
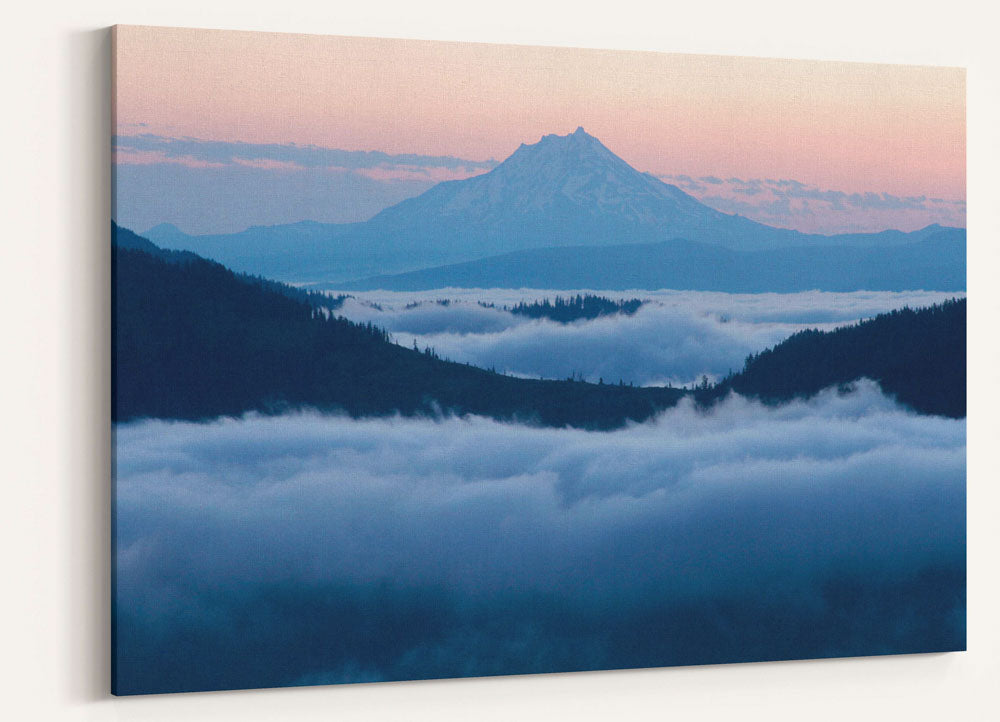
(790, 203)
(130, 156)
(267, 164)
(288, 156)
(405, 172)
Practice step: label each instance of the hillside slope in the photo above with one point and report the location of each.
(918, 356)
(192, 340)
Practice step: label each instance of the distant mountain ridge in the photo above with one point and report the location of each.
(561, 191)
(934, 263)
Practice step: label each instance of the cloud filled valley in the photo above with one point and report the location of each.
(309, 549)
(676, 337)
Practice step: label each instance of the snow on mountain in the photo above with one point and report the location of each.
(552, 175)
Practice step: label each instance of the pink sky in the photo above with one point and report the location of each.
(856, 127)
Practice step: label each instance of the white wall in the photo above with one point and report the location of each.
(54, 515)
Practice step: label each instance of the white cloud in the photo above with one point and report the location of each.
(314, 548)
(677, 337)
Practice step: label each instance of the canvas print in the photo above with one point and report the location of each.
(443, 360)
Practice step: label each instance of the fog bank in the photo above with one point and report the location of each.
(309, 549)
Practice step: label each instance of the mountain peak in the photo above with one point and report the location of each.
(576, 136)
(553, 143)
(573, 176)
(572, 153)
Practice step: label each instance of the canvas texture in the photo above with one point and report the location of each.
(439, 360)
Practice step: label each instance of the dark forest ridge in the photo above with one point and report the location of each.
(193, 340)
(917, 356)
(124, 238)
(561, 191)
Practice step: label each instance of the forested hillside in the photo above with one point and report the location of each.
(193, 340)
(124, 238)
(918, 356)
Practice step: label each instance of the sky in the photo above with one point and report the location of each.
(276, 112)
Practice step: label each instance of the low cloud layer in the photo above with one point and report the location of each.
(310, 549)
(676, 337)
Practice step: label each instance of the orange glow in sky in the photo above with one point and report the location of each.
(857, 127)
